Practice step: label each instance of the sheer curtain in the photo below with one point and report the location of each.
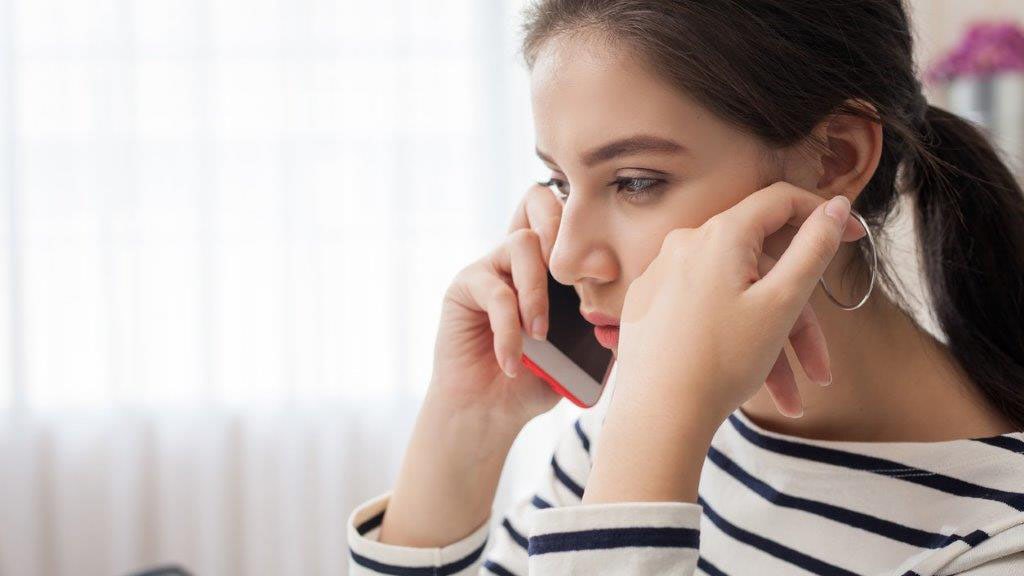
(227, 227)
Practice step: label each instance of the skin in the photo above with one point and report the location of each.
(891, 381)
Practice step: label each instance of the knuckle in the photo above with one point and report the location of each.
(502, 295)
(534, 297)
(714, 230)
(674, 239)
(461, 278)
(524, 237)
(458, 288)
(777, 187)
(455, 291)
(719, 225)
(677, 243)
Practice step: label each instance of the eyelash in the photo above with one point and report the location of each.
(640, 193)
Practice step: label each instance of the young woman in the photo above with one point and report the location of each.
(694, 147)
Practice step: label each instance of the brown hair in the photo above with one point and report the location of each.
(776, 68)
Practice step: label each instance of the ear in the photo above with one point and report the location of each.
(854, 147)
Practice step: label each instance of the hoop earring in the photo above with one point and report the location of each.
(874, 268)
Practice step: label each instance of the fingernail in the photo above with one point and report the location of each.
(511, 368)
(798, 414)
(863, 232)
(838, 208)
(828, 378)
(538, 328)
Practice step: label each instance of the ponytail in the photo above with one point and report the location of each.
(970, 226)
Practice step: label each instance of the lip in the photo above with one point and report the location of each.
(607, 336)
(599, 319)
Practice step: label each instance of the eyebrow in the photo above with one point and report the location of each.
(625, 147)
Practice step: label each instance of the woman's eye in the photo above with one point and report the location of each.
(634, 189)
(560, 187)
(638, 189)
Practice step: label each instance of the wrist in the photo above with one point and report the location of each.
(650, 453)
(475, 434)
(449, 476)
(477, 423)
(695, 398)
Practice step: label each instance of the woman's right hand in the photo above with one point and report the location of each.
(479, 340)
(473, 411)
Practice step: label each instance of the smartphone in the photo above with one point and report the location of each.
(569, 359)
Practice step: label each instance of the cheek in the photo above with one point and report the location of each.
(643, 246)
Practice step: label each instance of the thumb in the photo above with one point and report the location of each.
(810, 252)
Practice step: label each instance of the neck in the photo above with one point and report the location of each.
(892, 381)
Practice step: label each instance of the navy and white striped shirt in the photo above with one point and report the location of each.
(770, 504)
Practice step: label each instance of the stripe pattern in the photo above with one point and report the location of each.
(608, 538)
(769, 504)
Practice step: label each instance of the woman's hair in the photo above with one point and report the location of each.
(776, 68)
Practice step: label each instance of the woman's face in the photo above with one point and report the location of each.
(636, 157)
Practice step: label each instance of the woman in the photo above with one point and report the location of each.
(694, 147)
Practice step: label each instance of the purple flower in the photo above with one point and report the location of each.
(987, 48)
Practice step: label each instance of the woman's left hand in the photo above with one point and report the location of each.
(703, 328)
(707, 320)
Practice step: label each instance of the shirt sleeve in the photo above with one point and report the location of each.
(547, 532)
(367, 555)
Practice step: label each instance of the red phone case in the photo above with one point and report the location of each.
(551, 381)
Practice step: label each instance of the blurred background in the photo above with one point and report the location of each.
(226, 227)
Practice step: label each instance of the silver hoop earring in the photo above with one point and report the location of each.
(874, 268)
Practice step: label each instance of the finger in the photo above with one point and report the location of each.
(854, 231)
(519, 219)
(806, 337)
(521, 254)
(782, 388)
(804, 261)
(540, 211)
(544, 211)
(810, 348)
(766, 211)
(492, 295)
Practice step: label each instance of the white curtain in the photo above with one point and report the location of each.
(226, 230)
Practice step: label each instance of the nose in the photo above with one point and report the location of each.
(582, 250)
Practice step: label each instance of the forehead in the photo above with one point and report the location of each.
(586, 91)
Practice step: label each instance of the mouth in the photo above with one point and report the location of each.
(606, 328)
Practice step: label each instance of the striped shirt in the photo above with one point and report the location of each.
(769, 504)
